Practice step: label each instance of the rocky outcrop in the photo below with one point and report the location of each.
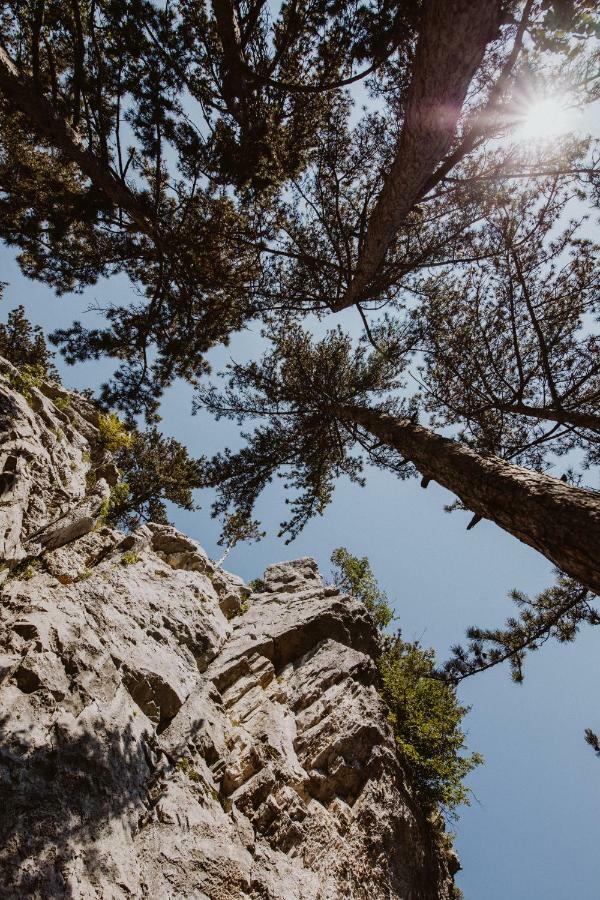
(163, 732)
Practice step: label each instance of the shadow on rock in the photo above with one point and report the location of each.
(68, 810)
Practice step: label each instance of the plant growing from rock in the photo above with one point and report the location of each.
(424, 711)
(114, 435)
(129, 558)
(354, 575)
(24, 345)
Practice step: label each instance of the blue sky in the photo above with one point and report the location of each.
(532, 831)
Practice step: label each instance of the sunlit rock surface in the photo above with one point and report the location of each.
(163, 732)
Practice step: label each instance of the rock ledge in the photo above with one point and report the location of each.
(165, 734)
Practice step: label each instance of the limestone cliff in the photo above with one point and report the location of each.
(164, 733)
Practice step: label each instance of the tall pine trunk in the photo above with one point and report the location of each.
(560, 521)
(453, 39)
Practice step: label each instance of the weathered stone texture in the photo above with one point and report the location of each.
(163, 734)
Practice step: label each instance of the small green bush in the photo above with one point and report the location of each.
(113, 434)
(354, 575)
(26, 570)
(423, 708)
(28, 377)
(129, 558)
(62, 403)
(256, 585)
(184, 765)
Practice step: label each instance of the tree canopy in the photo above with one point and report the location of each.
(215, 154)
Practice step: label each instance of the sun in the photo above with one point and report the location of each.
(544, 119)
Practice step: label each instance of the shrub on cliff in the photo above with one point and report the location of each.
(23, 344)
(426, 717)
(154, 468)
(423, 708)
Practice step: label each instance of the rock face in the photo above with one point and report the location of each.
(163, 732)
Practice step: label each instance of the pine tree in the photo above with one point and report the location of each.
(210, 153)
(154, 469)
(509, 356)
(324, 400)
(24, 345)
(424, 711)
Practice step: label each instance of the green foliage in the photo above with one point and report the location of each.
(114, 436)
(84, 575)
(355, 576)
(26, 378)
(29, 572)
(103, 513)
(185, 765)
(238, 528)
(26, 569)
(424, 710)
(508, 352)
(426, 715)
(115, 500)
(119, 494)
(156, 470)
(262, 201)
(62, 403)
(256, 585)
(296, 390)
(558, 612)
(129, 558)
(24, 345)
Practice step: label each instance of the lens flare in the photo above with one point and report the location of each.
(544, 119)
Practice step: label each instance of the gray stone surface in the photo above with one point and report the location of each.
(165, 735)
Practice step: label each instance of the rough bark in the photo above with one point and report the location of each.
(234, 86)
(570, 417)
(453, 40)
(560, 521)
(23, 95)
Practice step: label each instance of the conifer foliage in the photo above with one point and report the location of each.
(424, 711)
(211, 153)
(24, 345)
(154, 469)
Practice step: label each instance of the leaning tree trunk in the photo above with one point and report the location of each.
(454, 37)
(560, 521)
